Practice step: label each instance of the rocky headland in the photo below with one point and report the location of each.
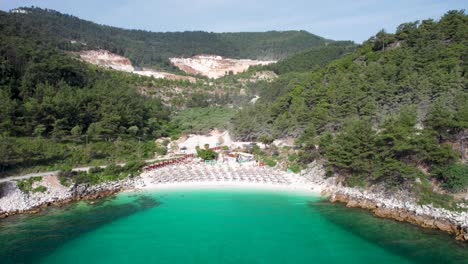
(398, 205)
(13, 200)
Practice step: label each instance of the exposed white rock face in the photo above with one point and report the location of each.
(254, 100)
(108, 59)
(214, 66)
(19, 11)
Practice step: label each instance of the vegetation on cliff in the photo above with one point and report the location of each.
(312, 59)
(27, 185)
(384, 113)
(98, 175)
(202, 119)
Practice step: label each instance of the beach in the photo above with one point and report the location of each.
(196, 175)
(311, 189)
(193, 174)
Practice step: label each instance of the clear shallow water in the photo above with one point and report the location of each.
(224, 226)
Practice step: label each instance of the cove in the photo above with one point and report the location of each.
(219, 226)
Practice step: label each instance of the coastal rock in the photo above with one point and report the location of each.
(367, 204)
(383, 212)
(353, 203)
(400, 206)
(14, 201)
(339, 197)
(445, 226)
(425, 222)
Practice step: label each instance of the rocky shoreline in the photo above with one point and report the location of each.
(423, 216)
(14, 201)
(400, 206)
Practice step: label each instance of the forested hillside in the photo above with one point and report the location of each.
(383, 113)
(153, 49)
(50, 102)
(313, 58)
(58, 112)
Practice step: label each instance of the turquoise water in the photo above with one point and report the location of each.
(223, 226)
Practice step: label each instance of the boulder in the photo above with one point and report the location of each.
(339, 197)
(353, 203)
(445, 225)
(367, 204)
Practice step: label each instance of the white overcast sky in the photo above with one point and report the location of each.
(340, 20)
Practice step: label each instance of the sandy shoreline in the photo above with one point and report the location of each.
(224, 175)
(214, 185)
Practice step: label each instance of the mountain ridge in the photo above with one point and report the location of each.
(152, 49)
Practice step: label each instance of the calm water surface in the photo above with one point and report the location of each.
(222, 226)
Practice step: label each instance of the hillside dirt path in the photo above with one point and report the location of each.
(47, 173)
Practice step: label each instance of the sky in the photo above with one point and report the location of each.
(333, 19)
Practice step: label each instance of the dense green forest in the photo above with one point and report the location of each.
(387, 112)
(47, 93)
(311, 59)
(152, 49)
(54, 107)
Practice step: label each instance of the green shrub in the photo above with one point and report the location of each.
(26, 185)
(65, 181)
(161, 150)
(112, 172)
(133, 167)
(266, 139)
(270, 163)
(39, 189)
(65, 177)
(45, 154)
(112, 168)
(455, 177)
(356, 180)
(294, 167)
(426, 195)
(207, 154)
(257, 151)
(203, 119)
(95, 169)
(292, 157)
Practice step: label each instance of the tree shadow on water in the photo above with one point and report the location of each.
(416, 244)
(27, 238)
